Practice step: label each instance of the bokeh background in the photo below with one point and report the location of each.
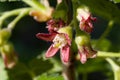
(29, 47)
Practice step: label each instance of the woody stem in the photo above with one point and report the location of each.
(68, 68)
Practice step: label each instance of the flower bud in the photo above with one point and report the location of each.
(9, 55)
(4, 35)
(41, 16)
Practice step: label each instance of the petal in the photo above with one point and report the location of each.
(65, 53)
(46, 37)
(92, 53)
(9, 59)
(68, 39)
(83, 57)
(93, 18)
(51, 51)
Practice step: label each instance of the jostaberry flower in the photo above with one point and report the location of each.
(85, 18)
(55, 25)
(84, 48)
(9, 55)
(60, 41)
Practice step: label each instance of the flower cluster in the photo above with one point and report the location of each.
(61, 37)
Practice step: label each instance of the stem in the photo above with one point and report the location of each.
(70, 11)
(74, 21)
(45, 3)
(14, 22)
(35, 4)
(69, 71)
(108, 29)
(11, 13)
(115, 67)
(68, 68)
(107, 54)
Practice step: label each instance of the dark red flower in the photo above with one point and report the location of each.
(60, 41)
(85, 19)
(9, 55)
(55, 25)
(86, 52)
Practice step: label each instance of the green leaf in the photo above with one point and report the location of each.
(39, 66)
(49, 77)
(103, 8)
(3, 72)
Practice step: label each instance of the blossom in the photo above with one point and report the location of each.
(85, 18)
(60, 41)
(9, 55)
(84, 48)
(86, 52)
(55, 25)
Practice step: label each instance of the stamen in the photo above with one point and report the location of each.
(59, 41)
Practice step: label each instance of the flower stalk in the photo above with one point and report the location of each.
(108, 29)
(21, 15)
(115, 67)
(11, 13)
(107, 54)
(36, 5)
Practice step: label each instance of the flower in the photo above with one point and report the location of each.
(60, 41)
(86, 52)
(84, 48)
(9, 55)
(85, 18)
(55, 25)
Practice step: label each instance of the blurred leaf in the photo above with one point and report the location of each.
(103, 45)
(19, 72)
(103, 8)
(57, 67)
(116, 1)
(39, 66)
(3, 72)
(50, 77)
(91, 66)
